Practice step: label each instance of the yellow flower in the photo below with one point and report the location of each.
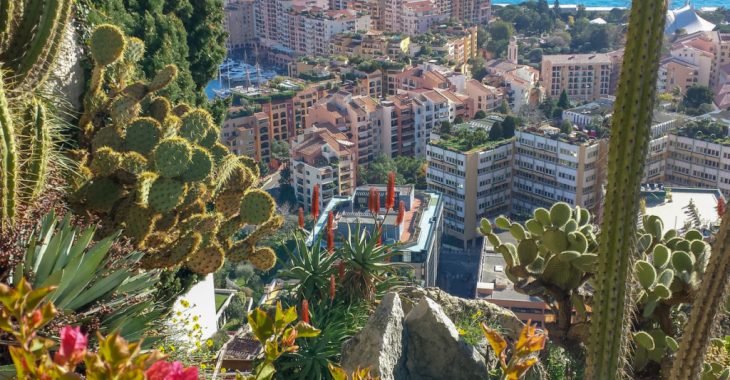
(195, 318)
(197, 344)
(203, 366)
(179, 314)
(209, 342)
(185, 303)
(462, 332)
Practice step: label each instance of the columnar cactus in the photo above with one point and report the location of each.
(630, 134)
(31, 32)
(30, 35)
(161, 175)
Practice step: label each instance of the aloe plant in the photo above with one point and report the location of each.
(310, 268)
(90, 282)
(630, 134)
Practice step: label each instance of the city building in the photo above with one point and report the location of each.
(697, 51)
(418, 236)
(677, 74)
(700, 161)
(552, 167)
(370, 45)
(430, 110)
(323, 157)
(682, 208)
(520, 83)
(474, 180)
(590, 113)
(721, 66)
(247, 134)
(477, 12)
(353, 116)
(240, 23)
(417, 17)
(584, 77)
(495, 287)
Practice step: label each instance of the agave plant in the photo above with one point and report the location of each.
(337, 323)
(367, 266)
(310, 268)
(90, 283)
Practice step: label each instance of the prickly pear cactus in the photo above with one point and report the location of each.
(554, 256)
(557, 252)
(161, 175)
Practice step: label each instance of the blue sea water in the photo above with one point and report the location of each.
(625, 3)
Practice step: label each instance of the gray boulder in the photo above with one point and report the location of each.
(380, 344)
(434, 348)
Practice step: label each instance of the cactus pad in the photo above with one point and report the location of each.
(107, 44)
(201, 166)
(102, 193)
(172, 156)
(240, 251)
(107, 136)
(195, 125)
(560, 214)
(160, 109)
(133, 163)
(257, 206)
(263, 259)
(142, 135)
(163, 78)
(210, 138)
(206, 260)
(166, 194)
(106, 162)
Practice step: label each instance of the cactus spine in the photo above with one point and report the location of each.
(688, 363)
(629, 143)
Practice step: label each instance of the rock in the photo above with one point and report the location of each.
(66, 78)
(434, 349)
(380, 344)
(458, 308)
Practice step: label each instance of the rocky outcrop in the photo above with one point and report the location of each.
(435, 350)
(411, 336)
(380, 344)
(457, 308)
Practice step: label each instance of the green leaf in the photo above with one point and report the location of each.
(261, 324)
(86, 270)
(305, 330)
(98, 290)
(643, 339)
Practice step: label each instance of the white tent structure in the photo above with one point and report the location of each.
(687, 19)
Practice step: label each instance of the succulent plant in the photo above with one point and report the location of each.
(630, 134)
(30, 35)
(159, 173)
(555, 255)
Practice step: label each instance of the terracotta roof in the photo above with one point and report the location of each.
(243, 348)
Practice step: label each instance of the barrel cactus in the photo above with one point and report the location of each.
(159, 172)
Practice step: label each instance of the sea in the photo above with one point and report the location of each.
(626, 3)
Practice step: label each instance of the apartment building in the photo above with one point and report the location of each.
(656, 160)
(677, 74)
(595, 112)
(474, 180)
(370, 45)
(240, 23)
(476, 12)
(247, 134)
(417, 17)
(519, 83)
(374, 8)
(550, 167)
(425, 76)
(584, 77)
(690, 62)
(460, 44)
(430, 109)
(398, 135)
(418, 236)
(324, 157)
(700, 161)
(721, 66)
(356, 117)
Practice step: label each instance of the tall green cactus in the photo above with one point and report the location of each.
(630, 134)
(9, 157)
(31, 34)
(160, 174)
(688, 363)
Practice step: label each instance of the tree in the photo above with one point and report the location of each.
(556, 8)
(280, 150)
(697, 96)
(535, 55)
(547, 106)
(500, 33)
(581, 12)
(445, 127)
(495, 133)
(564, 101)
(599, 38)
(566, 127)
(504, 108)
(557, 113)
(479, 136)
(480, 115)
(478, 68)
(508, 127)
(458, 120)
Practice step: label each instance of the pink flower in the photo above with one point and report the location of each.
(73, 346)
(163, 370)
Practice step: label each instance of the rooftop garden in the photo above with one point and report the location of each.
(706, 130)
